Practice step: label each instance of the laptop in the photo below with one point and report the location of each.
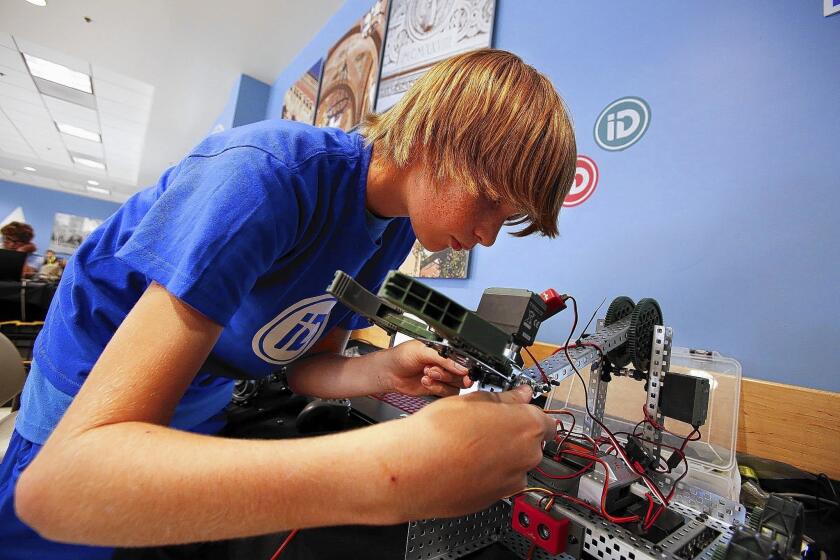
(389, 406)
(11, 265)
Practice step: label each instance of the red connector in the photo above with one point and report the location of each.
(539, 526)
(554, 303)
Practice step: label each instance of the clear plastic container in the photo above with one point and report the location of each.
(712, 457)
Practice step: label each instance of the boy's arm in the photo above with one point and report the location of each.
(113, 474)
(410, 368)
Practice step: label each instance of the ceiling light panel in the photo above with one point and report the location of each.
(59, 91)
(58, 73)
(78, 132)
(97, 190)
(57, 57)
(87, 161)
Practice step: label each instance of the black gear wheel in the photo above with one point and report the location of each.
(621, 307)
(646, 315)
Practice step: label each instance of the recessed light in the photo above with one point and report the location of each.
(27, 168)
(78, 132)
(89, 162)
(58, 73)
(98, 190)
(40, 3)
(92, 182)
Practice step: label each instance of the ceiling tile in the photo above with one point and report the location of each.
(71, 62)
(19, 93)
(108, 108)
(72, 186)
(106, 90)
(12, 59)
(100, 74)
(16, 148)
(38, 181)
(55, 156)
(11, 106)
(73, 114)
(128, 128)
(84, 146)
(16, 78)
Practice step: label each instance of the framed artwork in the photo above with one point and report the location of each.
(351, 72)
(422, 263)
(422, 32)
(300, 99)
(69, 231)
(831, 7)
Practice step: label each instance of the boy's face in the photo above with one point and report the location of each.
(444, 214)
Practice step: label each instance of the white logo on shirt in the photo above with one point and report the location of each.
(294, 331)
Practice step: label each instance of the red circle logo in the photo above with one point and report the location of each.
(586, 179)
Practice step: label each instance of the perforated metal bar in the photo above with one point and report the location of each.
(660, 361)
(596, 394)
(448, 539)
(558, 368)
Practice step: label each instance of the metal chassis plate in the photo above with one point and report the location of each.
(453, 538)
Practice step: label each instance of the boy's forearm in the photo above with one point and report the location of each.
(136, 484)
(329, 375)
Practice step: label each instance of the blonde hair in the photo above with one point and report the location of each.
(492, 123)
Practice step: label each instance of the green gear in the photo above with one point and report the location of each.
(621, 307)
(646, 315)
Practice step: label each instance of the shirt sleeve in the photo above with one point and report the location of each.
(214, 230)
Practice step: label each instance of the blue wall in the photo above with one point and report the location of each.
(40, 205)
(726, 211)
(246, 104)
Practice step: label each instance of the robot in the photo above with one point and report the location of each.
(596, 494)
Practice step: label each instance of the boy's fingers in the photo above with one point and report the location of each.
(439, 374)
(438, 389)
(518, 395)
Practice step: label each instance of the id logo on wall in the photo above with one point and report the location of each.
(622, 123)
(586, 179)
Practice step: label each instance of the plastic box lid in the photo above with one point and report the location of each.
(625, 398)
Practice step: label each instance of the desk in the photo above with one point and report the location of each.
(25, 300)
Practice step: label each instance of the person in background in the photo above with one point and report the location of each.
(52, 268)
(17, 236)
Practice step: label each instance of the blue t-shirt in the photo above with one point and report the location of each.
(248, 230)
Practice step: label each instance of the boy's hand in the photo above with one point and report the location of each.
(463, 453)
(415, 369)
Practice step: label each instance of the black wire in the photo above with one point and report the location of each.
(583, 332)
(615, 441)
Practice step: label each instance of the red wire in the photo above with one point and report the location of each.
(568, 476)
(285, 544)
(604, 511)
(536, 363)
